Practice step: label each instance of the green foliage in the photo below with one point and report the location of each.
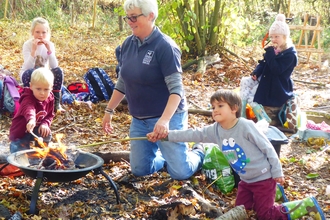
(234, 27)
(326, 39)
(312, 175)
(233, 23)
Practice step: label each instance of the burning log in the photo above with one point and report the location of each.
(53, 159)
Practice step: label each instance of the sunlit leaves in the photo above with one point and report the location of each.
(312, 175)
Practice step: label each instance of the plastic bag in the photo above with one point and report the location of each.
(216, 167)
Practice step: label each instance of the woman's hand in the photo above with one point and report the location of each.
(106, 123)
(161, 129)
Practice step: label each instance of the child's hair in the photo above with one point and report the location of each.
(42, 75)
(40, 20)
(288, 43)
(232, 98)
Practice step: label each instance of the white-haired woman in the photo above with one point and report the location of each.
(151, 79)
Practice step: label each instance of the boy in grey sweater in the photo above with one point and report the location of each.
(249, 153)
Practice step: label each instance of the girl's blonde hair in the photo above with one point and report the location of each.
(42, 21)
(288, 43)
(42, 75)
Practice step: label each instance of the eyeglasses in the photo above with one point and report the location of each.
(133, 18)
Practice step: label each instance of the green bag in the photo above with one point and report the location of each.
(216, 167)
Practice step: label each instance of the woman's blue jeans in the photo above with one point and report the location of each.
(147, 157)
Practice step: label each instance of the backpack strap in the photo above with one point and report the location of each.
(99, 83)
(94, 89)
(108, 84)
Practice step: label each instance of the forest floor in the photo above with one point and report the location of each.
(156, 196)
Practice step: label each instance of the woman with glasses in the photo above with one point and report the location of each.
(150, 78)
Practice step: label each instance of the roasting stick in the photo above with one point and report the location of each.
(116, 140)
(40, 139)
(326, 146)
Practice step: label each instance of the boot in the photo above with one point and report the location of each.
(299, 208)
(280, 196)
(57, 105)
(260, 113)
(243, 113)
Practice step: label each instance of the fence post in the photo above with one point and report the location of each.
(306, 47)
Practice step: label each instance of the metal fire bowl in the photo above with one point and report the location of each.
(87, 161)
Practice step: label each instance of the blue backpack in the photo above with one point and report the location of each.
(99, 83)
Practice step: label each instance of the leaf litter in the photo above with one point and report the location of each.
(91, 197)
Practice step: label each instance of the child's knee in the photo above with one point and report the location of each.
(18, 145)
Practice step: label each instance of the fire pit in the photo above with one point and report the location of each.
(84, 163)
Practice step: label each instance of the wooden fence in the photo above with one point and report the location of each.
(306, 43)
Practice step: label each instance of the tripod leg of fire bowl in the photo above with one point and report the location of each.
(100, 171)
(34, 197)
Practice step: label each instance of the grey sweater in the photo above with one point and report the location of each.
(247, 149)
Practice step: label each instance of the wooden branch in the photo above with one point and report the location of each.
(192, 111)
(116, 156)
(318, 116)
(201, 66)
(305, 28)
(206, 207)
(189, 63)
(62, 128)
(234, 54)
(237, 213)
(200, 111)
(195, 104)
(313, 83)
(202, 62)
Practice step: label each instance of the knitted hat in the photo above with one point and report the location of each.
(280, 26)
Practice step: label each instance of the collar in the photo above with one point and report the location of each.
(148, 38)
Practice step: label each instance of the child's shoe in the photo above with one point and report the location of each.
(280, 196)
(299, 208)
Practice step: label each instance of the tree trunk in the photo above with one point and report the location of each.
(215, 23)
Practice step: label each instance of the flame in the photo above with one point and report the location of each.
(56, 153)
(62, 148)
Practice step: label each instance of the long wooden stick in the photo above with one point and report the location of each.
(116, 140)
